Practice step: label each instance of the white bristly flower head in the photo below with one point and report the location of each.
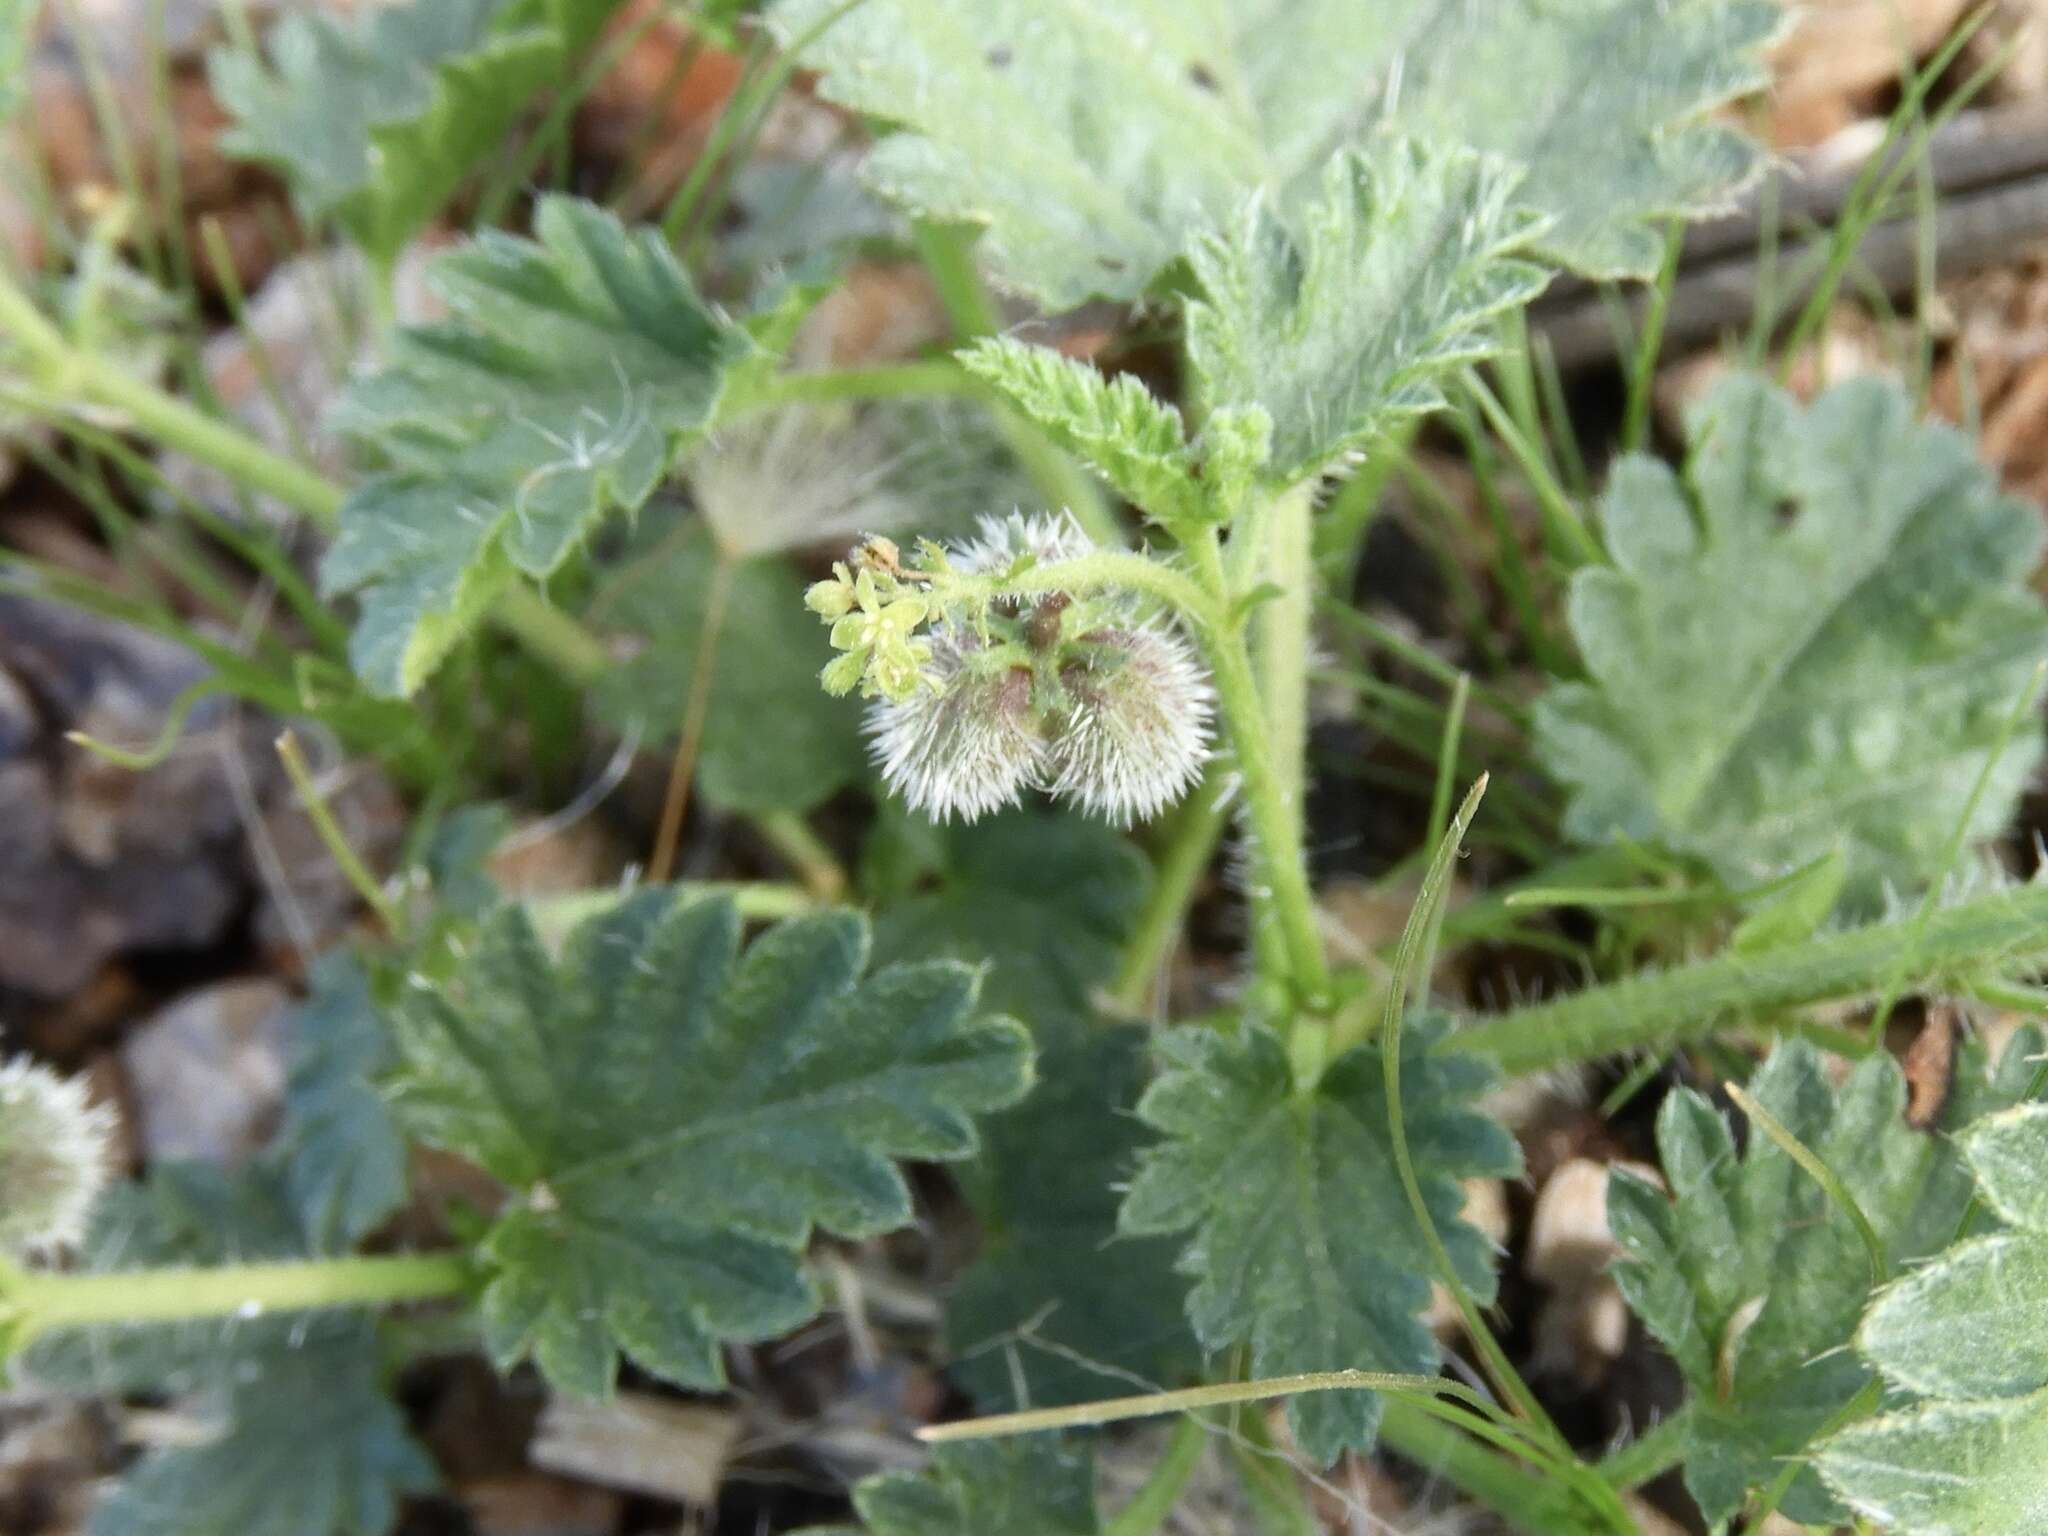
(965, 743)
(54, 1157)
(1137, 725)
(989, 685)
(1046, 537)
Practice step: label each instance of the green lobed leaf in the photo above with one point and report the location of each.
(1812, 640)
(1057, 1307)
(573, 369)
(376, 119)
(1094, 142)
(1135, 441)
(1755, 1280)
(1303, 1245)
(295, 1400)
(1969, 1332)
(1341, 322)
(675, 1119)
(344, 1159)
(1031, 1485)
(771, 739)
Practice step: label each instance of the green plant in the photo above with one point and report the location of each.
(1788, 704)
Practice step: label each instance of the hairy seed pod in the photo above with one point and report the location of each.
(963, 744)
(1137, 726)
(1046, 537)
(54, 1157)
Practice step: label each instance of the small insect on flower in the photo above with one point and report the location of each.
(54, 1157)
(1076, 694)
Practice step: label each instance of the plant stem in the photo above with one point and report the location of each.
(873, 381)
(1193, 842)
(1152, 1405)
(43, 1300)
(1525, 1499)
(824, 877)
(1280, 637)
(1152, 1504)
(1987, 933)
(68, 373)
(335, 840)
(1281, 891)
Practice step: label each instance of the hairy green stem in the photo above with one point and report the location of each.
(335, 840)
(39, 1301)
(1986, 934)
(1280, 638)
(792, 838)
(1192, 843)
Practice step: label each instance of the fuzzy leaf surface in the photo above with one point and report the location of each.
(1031, 1485)
(1968, 1332)
(346, 1161)
(1094, 142)
(1812, 640)
(376, 119)
(771, 739)
(1303, 1245)
(1134, 440)
(1046, 902)
(1345, 329)
(295, 1400)
(1755, 1280)
(677, 1118)
(571, 372)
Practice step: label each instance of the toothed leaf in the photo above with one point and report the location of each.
(1093, 142)
(1970, 1332)
(1343, 322)
(345, 1162)
(291, 1400)
(1813, 639)
(1056, 1304)
(377, 119)
(573, 369)
(1033, 1485)
(1134, 440)
(1303, 1245)
(770, 739)
(675, 1119)
(1755, 1280)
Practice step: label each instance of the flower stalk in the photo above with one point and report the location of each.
(34, 1302)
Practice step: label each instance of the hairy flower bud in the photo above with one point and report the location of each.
(965, 743)
(1137, 724)
(53, 1157)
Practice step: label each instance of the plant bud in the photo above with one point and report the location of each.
(54, 1157)
(1137, 727)
(964, 743)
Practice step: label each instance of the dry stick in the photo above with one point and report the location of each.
(661, 864)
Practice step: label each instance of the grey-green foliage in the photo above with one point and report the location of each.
(572, 370)
(1302, 1243)
(674, 1120)
(297, 1400)
(1031, 1485)
(1341, 324)
(376, 119)
(345, 1161)
(1968, 1336)
(1095, 141)
(1812, 639)
(771, 739)
(1045, 902)
(1754, 1279)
